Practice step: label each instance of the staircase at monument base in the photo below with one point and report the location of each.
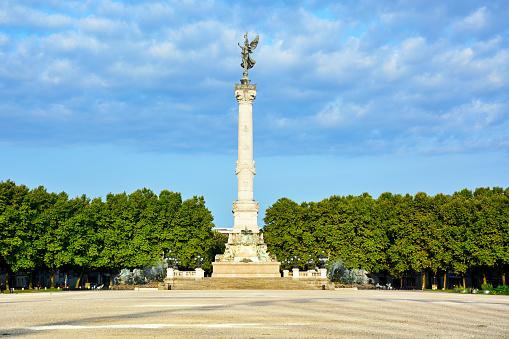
(248, 284)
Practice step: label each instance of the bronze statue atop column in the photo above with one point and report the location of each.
(247, 61)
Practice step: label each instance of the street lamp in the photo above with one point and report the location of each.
(323, 259)
(167, 257)
(198, 258)
(311, 265)
(296, 260)
(285, 263)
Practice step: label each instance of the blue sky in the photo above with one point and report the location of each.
(353, 97)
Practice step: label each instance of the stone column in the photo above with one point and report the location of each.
(245, 209)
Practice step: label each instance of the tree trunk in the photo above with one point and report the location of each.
(423, 279)
(503, 278)
(30, 278)
(483, 278)
(401, 282)
(52, 278)
(445, 281)
(7, 281)
(464, 283)
(79, 278)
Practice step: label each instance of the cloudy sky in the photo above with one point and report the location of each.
(353, 96)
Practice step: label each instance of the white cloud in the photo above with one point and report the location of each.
(473, 22)
(72, 41)
(475, 115)
(107, 28)
(23, 16)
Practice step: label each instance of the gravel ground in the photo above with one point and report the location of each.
(253, 314)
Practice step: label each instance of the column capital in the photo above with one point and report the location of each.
(245, 95)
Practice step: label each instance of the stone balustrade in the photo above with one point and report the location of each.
(176, 274)
(297, 274)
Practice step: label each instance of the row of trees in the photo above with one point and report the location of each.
(42, 230)
(468, 231)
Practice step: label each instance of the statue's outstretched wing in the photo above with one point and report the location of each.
(254, 43)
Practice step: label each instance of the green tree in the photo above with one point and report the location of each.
(83, 231)
(55, 237)
(282, 231)
(191, 233)
(12, 198)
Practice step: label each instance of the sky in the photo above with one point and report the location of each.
(352, 96)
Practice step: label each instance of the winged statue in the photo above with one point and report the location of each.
(247, 61)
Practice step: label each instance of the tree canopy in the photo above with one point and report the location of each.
(397, 234)
(42, 230)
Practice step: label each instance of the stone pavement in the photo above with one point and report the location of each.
(253, 314)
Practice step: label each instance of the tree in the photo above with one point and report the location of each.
(84, 235)
(488, 217)
(281, 232)
(456, 216)
(12, 198)
(191, 233)
(56, 237)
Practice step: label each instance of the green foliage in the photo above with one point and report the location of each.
(468, 231)
(48, 230)
(504, 290)
(220, 241)
(487, 287)
(397, 234)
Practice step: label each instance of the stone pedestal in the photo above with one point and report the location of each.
(200, 273)
(245, 256)
(260, 269)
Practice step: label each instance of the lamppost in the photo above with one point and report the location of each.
(167, 257)
(198, 258)
(172, 261)
(323, 259)
(311, 265)
(285, 263)
(296, 260)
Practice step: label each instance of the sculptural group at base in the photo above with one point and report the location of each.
(245, 256)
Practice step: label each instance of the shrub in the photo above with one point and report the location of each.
(487, 287)
(502, 290)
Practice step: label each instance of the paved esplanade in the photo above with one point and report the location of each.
(340, 313)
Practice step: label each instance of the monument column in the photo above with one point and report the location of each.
(245, 254)
(245, 209)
